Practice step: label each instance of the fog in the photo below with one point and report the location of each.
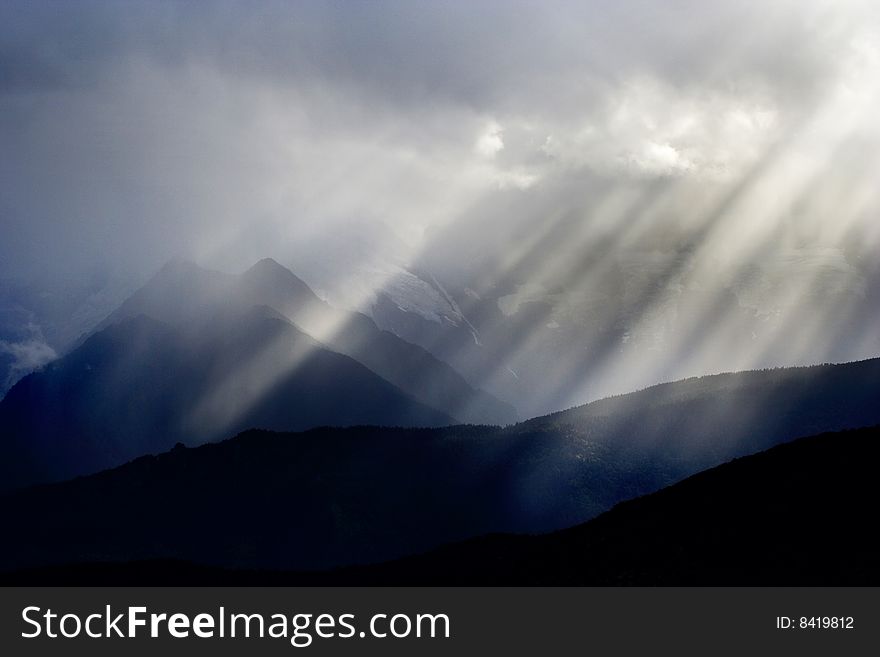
(670, 188)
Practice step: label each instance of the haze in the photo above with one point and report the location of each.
(665, 188)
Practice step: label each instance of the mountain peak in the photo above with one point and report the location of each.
(178, 264)
(181, 272)
(269, 265)
(274, 278)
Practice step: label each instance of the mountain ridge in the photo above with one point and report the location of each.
(782, 530)
(330, 497)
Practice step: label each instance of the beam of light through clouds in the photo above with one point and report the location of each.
(685, 186)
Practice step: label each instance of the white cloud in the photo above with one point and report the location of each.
(490, 142)
(660, 160)
(648, 128)
(26, 355)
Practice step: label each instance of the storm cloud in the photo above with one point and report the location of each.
(133, 131)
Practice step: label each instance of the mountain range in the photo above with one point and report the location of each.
(351, 445)
(196, 356)
(795, 515)
(182, 291)
(333, 496)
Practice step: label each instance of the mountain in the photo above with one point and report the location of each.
(703, 421)
(139, 386)
(330, 496)
(182, 291)
(798, 514)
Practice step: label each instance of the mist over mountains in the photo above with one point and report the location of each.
(196, 356)
(542, 346)
(622, 202)
(343, 283)
(182, 291)
(42, 317)
(545, 334)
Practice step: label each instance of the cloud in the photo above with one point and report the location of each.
(490, 142)
(24, 356)
(226, 125)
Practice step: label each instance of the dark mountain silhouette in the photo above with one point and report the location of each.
(182, 291)
(798, 514)
(338, 496)
(139, 386)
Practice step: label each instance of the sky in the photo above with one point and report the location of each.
(480, 138)
(136, 131)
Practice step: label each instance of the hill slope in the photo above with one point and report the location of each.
(339, 496)
(798, 514)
